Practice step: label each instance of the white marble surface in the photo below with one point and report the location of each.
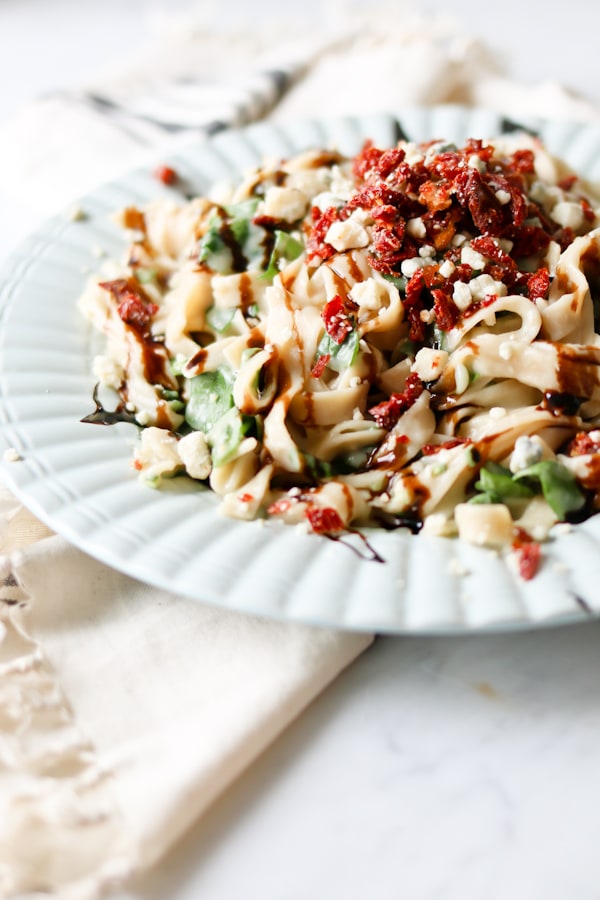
(435, 768)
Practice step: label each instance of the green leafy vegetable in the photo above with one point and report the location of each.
(399, 280)
(213, 251)
(210, 397)
(226, 435)
(145, 276)
(232, 242)
(317, 468)
(497, 482)
(219, 318)
(341, 355)
(559, 487)
(285, 248)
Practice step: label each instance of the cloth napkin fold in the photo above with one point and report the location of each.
(124, 710)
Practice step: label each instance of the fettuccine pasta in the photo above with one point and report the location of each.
(407, 338)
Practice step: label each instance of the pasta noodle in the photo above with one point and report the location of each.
(406, 338)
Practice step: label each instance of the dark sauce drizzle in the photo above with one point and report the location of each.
(103, 416)
(367, 551)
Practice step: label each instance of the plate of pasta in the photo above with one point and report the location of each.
(350, 369)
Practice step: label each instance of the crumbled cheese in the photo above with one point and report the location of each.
(408, 267)
(285, 203)
(194, 453)
(156, 454)
(471, 257)
(458, 240)
(427, 252)
(326, 199)
(98, 251)
(427, 316)
(340, 184)
(461, 294)
(347, 235)
(416, 228)
(11, 454)
(568, 214)
(412, 154)
(429, 363)
(526, 453)
(483, 285)
(447, 268)
(108, 371)
(367, 294)
(502, 197)
(475, 162)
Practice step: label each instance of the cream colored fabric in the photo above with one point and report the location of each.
(124, 711)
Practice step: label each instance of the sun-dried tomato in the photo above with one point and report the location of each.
(436, 195)
(378, 193)
(390, 245)
(445, 310)
(389, 160)
(530, 240)
(316, 245)
(523, 161)
(133, 311)
(320, 365)
(506, 269)
(529, 557)
(565, 238)
(475, 146)
(134, 307)
(588, 213)
(448, 164)
(538, 284)
(281, 506)
(479, 305)
(566, 183)
(387, 413)
(366, 161)
(440, 228)
(518, 203)
(480, 200)
(431, 449)
(324, 520)
(166, 174)
(413, 306)
(337, 318)
(387, 213)
(582, 444)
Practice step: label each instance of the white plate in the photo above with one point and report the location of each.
(77, 478)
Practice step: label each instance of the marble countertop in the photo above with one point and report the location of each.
(435, 768)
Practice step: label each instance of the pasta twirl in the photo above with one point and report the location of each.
(403, 338)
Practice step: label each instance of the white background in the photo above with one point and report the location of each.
(435, 768)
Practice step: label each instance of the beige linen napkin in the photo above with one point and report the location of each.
(124, 710)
